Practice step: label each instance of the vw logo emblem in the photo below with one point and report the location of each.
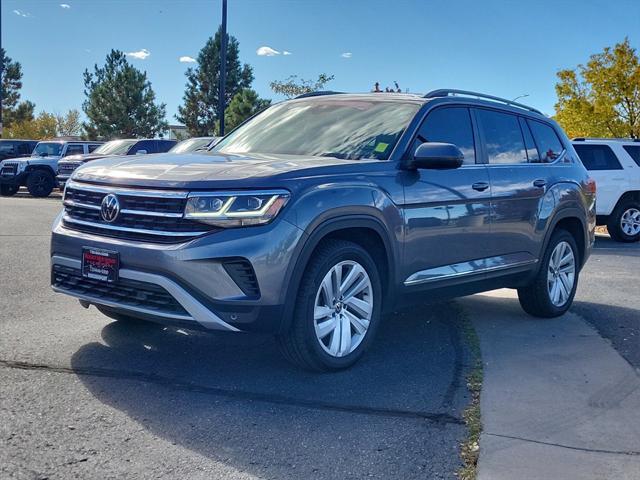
(110, 208)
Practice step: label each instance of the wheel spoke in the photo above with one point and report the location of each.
(345, 335)
(334, 344)
(325, 328)
(351, 276)
(321, 311)
(361, 307)
(359, 324)
(357, 288)
(328, 290)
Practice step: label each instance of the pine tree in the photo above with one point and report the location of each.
(243, 105)
(120, 102)
(199, 113)
(13, 110)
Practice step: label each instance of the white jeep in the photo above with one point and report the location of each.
(38, 172)
(615, 166)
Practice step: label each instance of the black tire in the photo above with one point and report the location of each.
(299, 344)
(535, 298)
(40, 183)
(8, 190)
(614, 224)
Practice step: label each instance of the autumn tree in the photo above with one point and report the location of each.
(13, 110)
(42, 127)
(293, 86)
(69, 124)
(120, 101)
(199, 111)
(601, 98)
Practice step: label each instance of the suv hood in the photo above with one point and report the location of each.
(84, 158)
(199, 170)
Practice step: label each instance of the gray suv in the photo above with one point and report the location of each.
(321, 213)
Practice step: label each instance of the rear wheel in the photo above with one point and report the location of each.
(8, 190)
(337, 309)
(624, 222)
(551, 292)
(40, 183)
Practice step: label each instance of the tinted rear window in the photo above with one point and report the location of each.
(598, 157)
(549, 145)
(634, 152)
(502, 137)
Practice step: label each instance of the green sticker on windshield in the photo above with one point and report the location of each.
(381, 147)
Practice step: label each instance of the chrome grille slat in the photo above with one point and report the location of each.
(153, 217)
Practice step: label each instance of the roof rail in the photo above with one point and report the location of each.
(318, 94)
(445, 92)
(582, 139)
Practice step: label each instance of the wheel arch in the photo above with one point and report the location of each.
(572, 220)
(362, 229)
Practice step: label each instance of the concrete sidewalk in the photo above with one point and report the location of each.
(558, 402)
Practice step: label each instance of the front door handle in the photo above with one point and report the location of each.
(540, 183)
(480, 186)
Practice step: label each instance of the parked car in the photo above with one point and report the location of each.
(614, 163)
(110, 149)
(320, 213)
(193, 144)
(13, 148)
(38, 172)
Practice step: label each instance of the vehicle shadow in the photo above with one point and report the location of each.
(233, 399)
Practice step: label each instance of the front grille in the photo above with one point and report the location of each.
(145, 215)
(124, 292)
(67, 168)
(9, 169)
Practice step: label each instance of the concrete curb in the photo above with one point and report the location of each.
(557, 400)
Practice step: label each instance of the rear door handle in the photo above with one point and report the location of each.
(540, 183)
(480, 186)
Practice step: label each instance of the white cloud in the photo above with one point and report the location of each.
(140, 54)
(346, 55)
(187, 59)
(286, 53)
(267, 52)
(20, 13)
(65, 5)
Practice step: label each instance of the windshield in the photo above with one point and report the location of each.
(190, 145)
(46, 149)
(337, 127)
(115, 147)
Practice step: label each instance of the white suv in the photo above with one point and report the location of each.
(615, 166)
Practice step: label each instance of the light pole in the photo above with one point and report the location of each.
(1, 72)
(520, 96)
(223, 68)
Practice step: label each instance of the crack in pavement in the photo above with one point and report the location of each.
(438, 418)
(570, 447)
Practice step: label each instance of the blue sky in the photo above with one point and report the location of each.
(506, 48)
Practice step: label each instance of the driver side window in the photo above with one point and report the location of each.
(449, 125)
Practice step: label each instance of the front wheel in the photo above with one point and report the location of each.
(40, 183)
(624, 222)
(337, 308)
(8, 190)
(551, 292)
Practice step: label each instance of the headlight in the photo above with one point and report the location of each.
(21, 167)
(234, 209)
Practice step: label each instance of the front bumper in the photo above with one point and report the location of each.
(194, 273)
(61, 181)
(13, 180)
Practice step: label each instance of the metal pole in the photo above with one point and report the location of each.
(1, 73)
(223, 68)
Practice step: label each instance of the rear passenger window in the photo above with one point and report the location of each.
(502, 137)
(530, 145)
(598, 157)
(449, 125)
(634, 152)
(549, 145)
(93, 146)
(74, 150)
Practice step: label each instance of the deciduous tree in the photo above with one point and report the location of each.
(293, 86)
(69, 124)
(601, 98)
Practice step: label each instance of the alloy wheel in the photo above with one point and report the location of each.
(630, 222)
(561, 274)
(343, 308)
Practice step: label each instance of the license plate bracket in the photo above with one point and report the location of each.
(100, 264)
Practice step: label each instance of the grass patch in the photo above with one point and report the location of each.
(470, 448)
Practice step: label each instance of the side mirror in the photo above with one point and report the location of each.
(439, 156)
(141, 152)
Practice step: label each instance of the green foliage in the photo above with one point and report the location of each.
(243, 105)
(199, 113)
(120, 101)
(601, 98)
(13, 109)
(43, 127)
(69, 124)
(292, 86)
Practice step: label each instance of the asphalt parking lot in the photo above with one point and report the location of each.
(86, 397)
